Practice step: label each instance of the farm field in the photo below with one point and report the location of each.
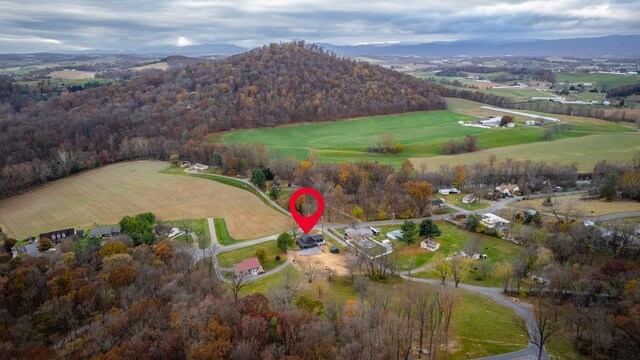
(612, 80)
(423, 134)
(163, 65)
(72, 74)
(584, 151)
(585, 207)
(106, 194)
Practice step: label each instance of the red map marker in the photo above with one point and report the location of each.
(306, 223)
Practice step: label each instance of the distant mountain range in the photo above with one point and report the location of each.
(614, 46)
(611, 46)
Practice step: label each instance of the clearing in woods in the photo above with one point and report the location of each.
(106, 194)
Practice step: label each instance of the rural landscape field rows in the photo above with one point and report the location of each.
(105, 195)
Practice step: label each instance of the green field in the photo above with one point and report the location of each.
(611, 80)
(422, 133)
(230, 258)
(199, 227)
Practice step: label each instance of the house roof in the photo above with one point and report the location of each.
(104, 230)
(57, 234)
(352, 233)
(510, 187)
(490, 218)
(248, 264)
(307, 239)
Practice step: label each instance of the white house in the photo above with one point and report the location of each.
(493, 121)
(468, 199)
(494, 222)
(507, 189)
(200, 167)
(449, 191)
(429, 245)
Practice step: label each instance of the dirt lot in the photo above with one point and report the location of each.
(72, 74)
(324, 260)
(582, 205)
(106, 194)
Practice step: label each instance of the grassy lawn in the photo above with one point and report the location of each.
(197, 226)
(230, 258)
(222, 233)
(269, 282)
(456, 199)
(454, 239)
(484, 328)
(187, 239)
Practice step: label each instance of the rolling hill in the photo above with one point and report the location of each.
(172, 112)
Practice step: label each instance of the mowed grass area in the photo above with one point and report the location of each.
(456, 200)
(484, 328)
(230, 258)
(199, 227)
(222, 233)
(583, 151)
(580, 203)
(106, 194)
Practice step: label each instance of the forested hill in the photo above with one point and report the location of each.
(163, 113)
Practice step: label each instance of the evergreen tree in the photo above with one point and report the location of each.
(409, 232)
(258, 178)
(429, 229)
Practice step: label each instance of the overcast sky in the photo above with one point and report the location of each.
(55, 25)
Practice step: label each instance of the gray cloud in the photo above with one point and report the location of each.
(44, 25)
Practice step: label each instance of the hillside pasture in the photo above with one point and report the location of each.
(423, 134)
(106, 194)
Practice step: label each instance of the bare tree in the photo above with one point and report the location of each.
(545, 326)
(448, 299)
(311, 270)
(236, 284)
